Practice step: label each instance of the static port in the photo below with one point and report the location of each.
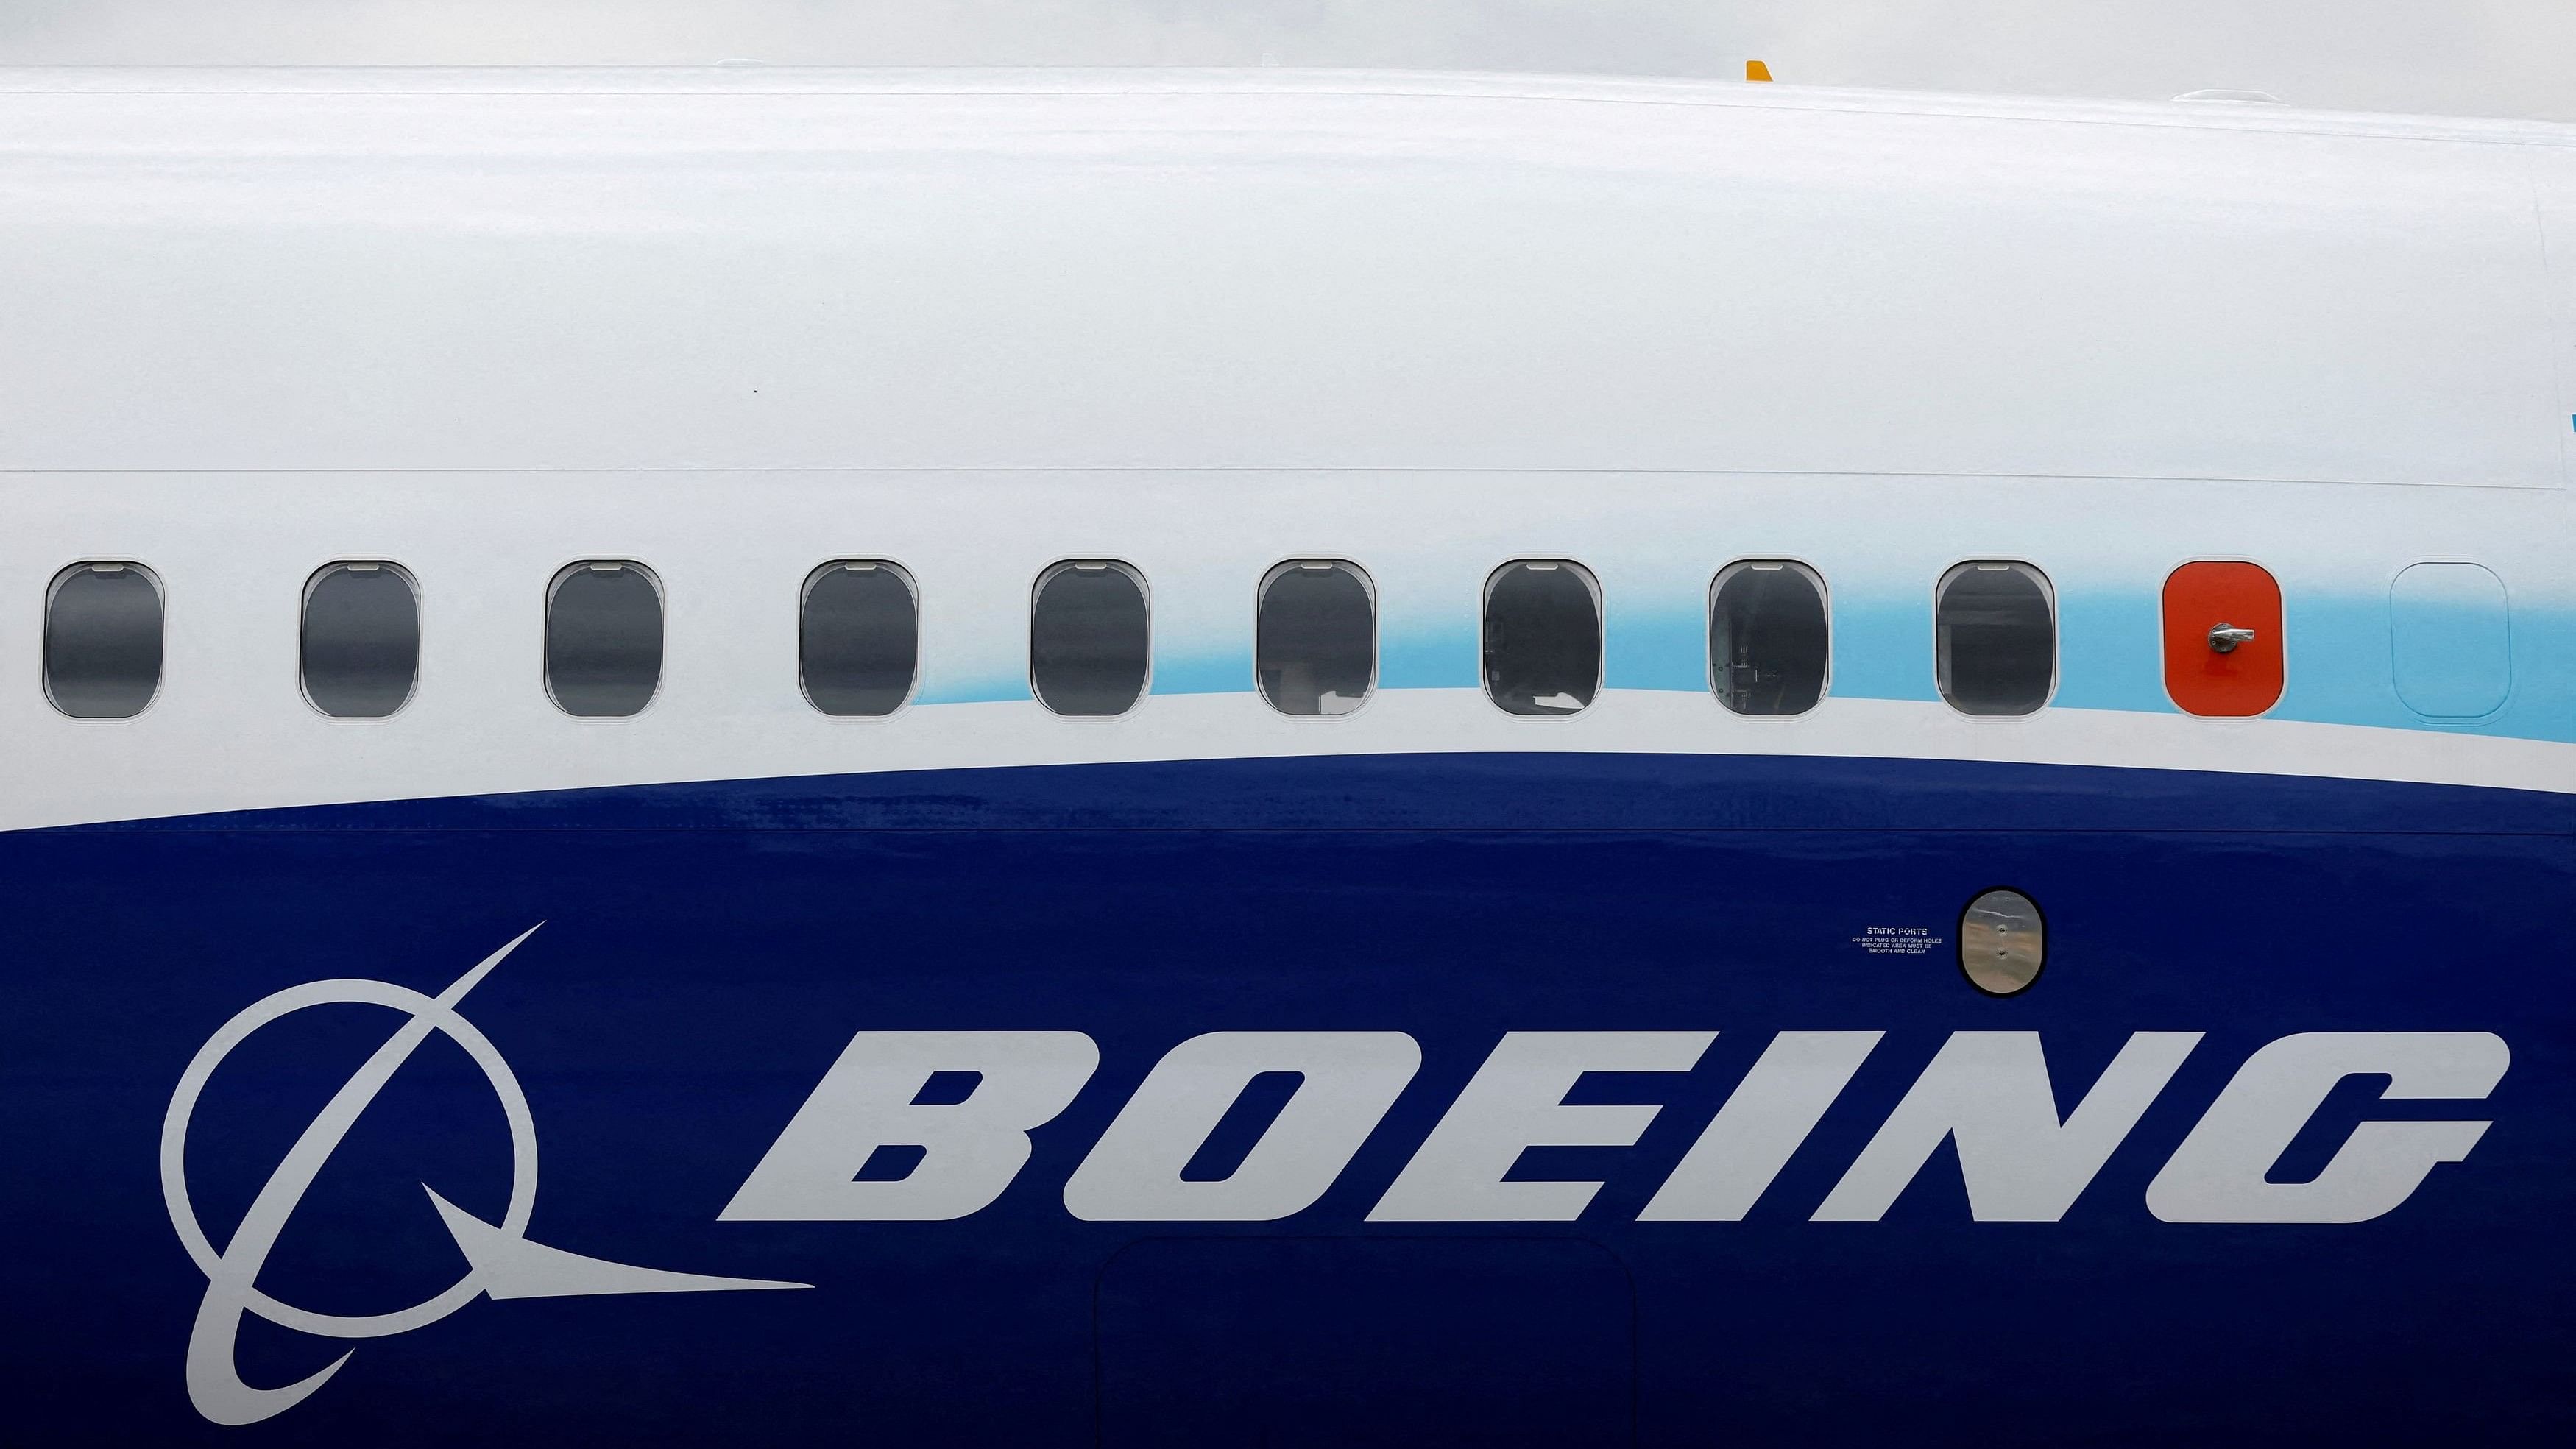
(2003, 942)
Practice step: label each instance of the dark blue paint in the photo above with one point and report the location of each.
(1563, 792)
(1195, 1351)
(710, 948)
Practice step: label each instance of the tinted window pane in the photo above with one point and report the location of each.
(1542, 637)
(604, 639)
(361, 640)
(1997, 629)
(860, 638)
(1767, 644)
(103, 640)
(1087, 638)
(1316, 643)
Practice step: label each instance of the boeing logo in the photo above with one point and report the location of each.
(501, 1261)
(1987, 1093)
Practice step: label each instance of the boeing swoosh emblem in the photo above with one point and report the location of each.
(501, 1262)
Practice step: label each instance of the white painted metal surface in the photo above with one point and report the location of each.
(726, 268)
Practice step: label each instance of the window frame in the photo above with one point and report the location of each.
(1600, 626)
(45, 640)
(920, 620)
(1708, 630)
(1377, 628)
(1029, 632)
(2056, 635)
(420, 642)
(545, 620)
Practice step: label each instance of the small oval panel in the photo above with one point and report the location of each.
(2210, 667)
(2003, 942)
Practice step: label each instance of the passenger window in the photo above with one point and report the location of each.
(2222, 638)
(103, 640)
(2449, 640)
(361, 642)
(604, 639)
(1996, 628)
(1315, 644)
(1088, 638)
(1768, 640)
(858, 642)
(1542, 637)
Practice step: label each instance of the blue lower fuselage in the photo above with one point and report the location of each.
(710, 949)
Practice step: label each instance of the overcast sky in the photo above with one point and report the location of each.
(2463, 57)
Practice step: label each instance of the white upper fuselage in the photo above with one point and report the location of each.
(733, 323)
(807, 269)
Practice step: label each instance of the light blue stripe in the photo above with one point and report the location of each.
(988, 690)
(1882, 648)
(2110, 657)
(1665, 650)
(2110, 653)
(1202, 674)
(1428, 659)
